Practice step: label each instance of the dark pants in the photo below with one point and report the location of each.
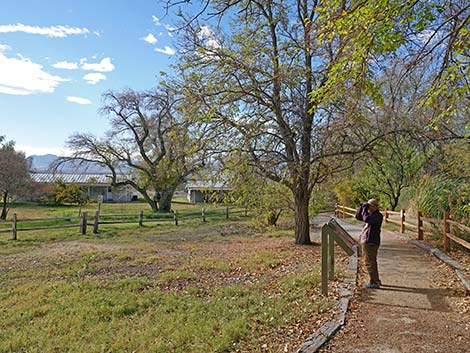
(369, 251)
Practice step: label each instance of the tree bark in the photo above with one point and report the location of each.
(4, 214)
(302, 223)
(165, 199)
(152, 202)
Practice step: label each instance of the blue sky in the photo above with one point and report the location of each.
(57, 57)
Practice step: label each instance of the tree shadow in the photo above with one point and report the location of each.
(435, 296)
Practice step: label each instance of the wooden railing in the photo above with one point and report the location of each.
(418, 224)
(98, 219)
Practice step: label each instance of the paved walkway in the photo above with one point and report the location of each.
(416, 309)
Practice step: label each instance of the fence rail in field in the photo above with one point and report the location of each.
(98, 219)
(419, 224)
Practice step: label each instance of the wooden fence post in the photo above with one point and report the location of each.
(96, 222)
(141, 218)
(386, 216)
(344, 212)
(336, 210)
(14, 228)
(204, 214)
(226, 212)
(83, 223)
(246, 211)
(420, 225)
(446, 230)
(402, 221)
(175, 217)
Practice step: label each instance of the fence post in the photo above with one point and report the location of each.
(446, 230)
(402, 221)
(14, 228)
(246, 211)
(386, 216)
(83, 223)
(203, 214)
(344, 212)
(420, 225)
(336, 210)
(96, 222)
(175, 217)
(226, 212)
(141, 218)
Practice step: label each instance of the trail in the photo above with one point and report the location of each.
(421, 306)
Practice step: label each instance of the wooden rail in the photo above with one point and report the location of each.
(417, 224)
(123, 218)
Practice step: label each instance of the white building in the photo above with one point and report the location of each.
(95, 184)
(205, 191)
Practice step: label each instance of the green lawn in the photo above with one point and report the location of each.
(219, 286)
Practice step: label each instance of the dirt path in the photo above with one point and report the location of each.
(421, 307)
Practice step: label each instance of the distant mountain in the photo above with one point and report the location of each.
(45, 162)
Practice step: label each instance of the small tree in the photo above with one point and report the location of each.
(14, 174)
(253, 190)
(70, 193)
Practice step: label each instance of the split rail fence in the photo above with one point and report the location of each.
(85, 220)
(419, 224)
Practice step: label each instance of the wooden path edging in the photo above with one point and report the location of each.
(346, 290)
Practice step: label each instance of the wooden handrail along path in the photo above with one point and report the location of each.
(419, 224)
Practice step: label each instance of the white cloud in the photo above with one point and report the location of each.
(65, 65)
(94, 77)
(78, 100)
(208, 36)
(104, 65)
(4, 48)
(52, 31)
(20, 76)
(167, 50)
(150, 38)
(158, 23)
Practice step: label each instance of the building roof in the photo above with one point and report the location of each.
(207, 185)
(78, 178)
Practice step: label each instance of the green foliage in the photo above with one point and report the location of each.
(354, 189)
(267, 198)
(70, 193)
(436, 194)
(392, 166)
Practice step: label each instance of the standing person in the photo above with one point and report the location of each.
(369, 213)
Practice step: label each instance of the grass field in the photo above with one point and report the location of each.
(219, 286)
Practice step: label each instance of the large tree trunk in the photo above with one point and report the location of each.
(152, 202)
(165, 199)
(302, 223)
(4, 214)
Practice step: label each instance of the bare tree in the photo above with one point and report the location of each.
(152, 145)
(14, 174)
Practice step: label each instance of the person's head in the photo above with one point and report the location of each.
(373, 205)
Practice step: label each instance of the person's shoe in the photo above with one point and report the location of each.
(372, 286)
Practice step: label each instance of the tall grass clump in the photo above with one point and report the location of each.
(435, 195)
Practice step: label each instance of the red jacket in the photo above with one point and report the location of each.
(373, 222)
